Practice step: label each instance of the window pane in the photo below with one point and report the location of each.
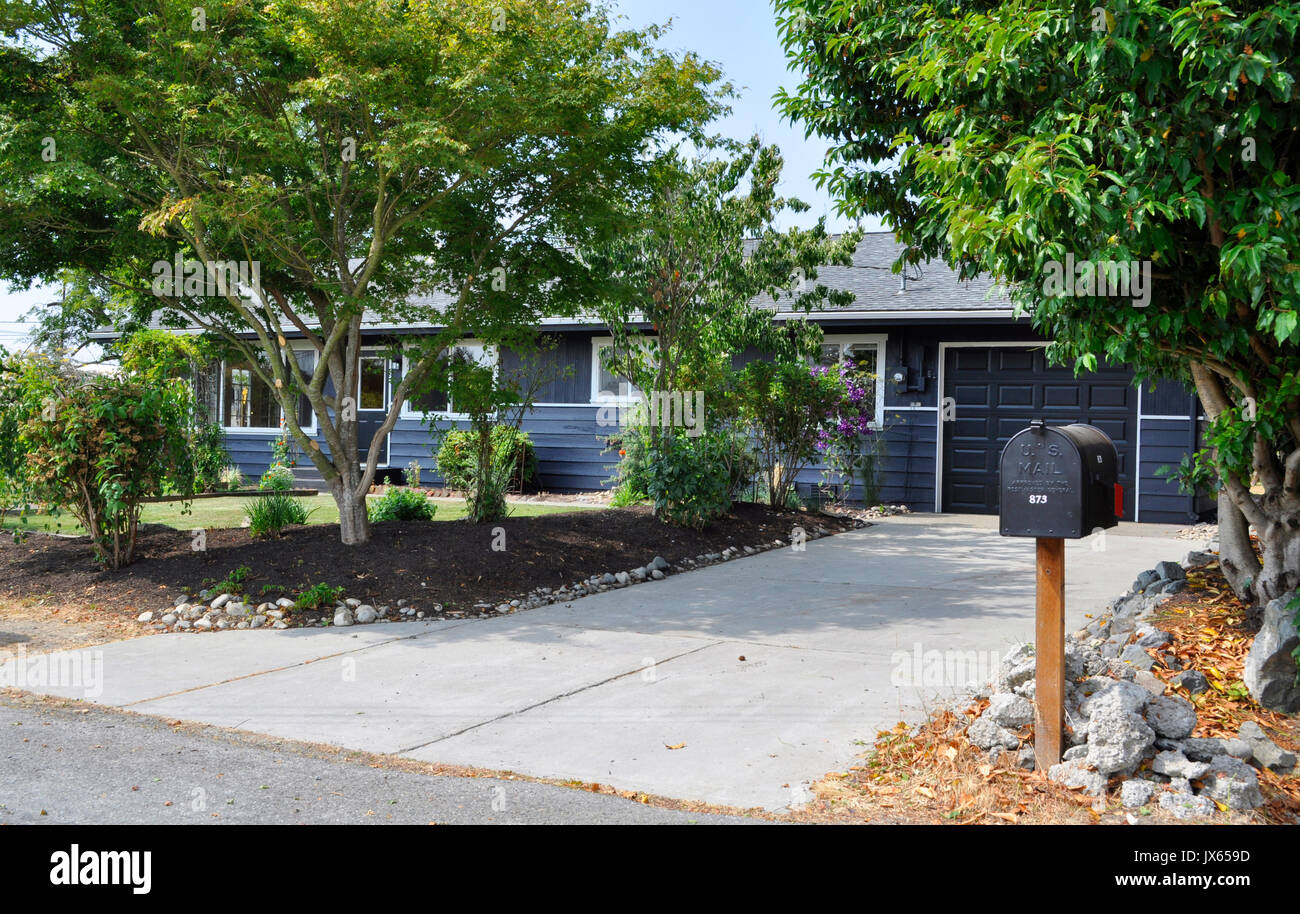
(830, 354)
(610, 384)
(863, 355)
(372, 384)
(248, 402)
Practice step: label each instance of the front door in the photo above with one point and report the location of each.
(373, 396)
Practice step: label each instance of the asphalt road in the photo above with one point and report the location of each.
(64, 764)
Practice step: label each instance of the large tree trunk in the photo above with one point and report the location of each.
(1237, 556)
(1281, 572)
(354, 522)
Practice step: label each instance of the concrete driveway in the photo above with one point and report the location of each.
(765, 672)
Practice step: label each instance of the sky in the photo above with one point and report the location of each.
(738, 35)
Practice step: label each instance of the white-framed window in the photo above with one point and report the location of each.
(438, 402)
(607, 386)
(867, 352)
(247, 405)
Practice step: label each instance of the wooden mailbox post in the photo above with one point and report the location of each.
(1057, 483)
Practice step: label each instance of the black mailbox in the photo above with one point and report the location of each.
(1059, 481)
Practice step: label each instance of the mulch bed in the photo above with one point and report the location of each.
(448, 562)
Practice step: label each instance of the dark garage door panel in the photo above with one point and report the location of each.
(997, 392)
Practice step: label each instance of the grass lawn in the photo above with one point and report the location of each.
(219, 513)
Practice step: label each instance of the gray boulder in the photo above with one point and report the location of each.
(1233, 783)
(1016, 668)
(1076, 774)
(659, 563)
(1136, 656)
(1145, 580)
(1103, 692)
(366, 615)
(1193, 681)
(1135, 793)
(343, 618)
(1266, 752)
(1155, 638)
(1174, 764)
(1186, 805)
(1171, 717)
(1117, 740)
(985, 734)
(1197, 558)
(1074, 753)
(1010, 711)
(1270, 672)
(1170, 571)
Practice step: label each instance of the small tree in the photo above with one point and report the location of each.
(95, 445)
(788, 409)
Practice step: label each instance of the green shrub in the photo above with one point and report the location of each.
(279, 478)
(233, 584)
(270, 514)
(690, 480)
(317, 596)
(96, 445)
(510, 448)
(402, 504)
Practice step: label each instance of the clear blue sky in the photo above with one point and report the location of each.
(738, 35)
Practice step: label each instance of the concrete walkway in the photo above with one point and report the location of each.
(766, 671)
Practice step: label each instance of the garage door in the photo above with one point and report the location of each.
(996, 392)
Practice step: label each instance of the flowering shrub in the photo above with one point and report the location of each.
(848, 439)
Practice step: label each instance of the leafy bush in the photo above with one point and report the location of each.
(402, 504)
(317, 596)
(270, 514)
(787, 409)
(512, 450)
(97, 445)
(632, 476)
(690, 480)
(278, 478)
(211, 459)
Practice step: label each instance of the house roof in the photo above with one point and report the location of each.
(928, 291)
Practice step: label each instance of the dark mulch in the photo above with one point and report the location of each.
(449, 562)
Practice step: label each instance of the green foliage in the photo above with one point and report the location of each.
(702, 247)
(405, 146)
(268, 515)
(233, 583)
(689, 479)
(413, 474)
(284, 452)
(96, 445)
(402, 504)
(1011, 138)
(277, 478)
(786, 408)
(156, 356)
(317, 596)
(1194, 474)
(211, 459)
(511, 448)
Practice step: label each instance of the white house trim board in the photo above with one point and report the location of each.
(939, 435)
(244, 431)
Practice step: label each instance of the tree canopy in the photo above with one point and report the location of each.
(1012, 138)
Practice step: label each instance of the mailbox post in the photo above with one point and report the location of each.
(1057, 483)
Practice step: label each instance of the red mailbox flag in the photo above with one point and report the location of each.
(1119, 501)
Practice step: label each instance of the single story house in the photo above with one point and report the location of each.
(958, 376)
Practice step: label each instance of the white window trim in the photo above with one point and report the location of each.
(490, 353)
(597, 398)
(843, 340)
(261, 431)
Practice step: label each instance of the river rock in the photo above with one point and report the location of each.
(1266, 752)
(343, 618)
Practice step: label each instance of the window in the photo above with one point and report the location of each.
(605, 384)
(867, 354)
(247, 402)
(437, 401)
(373, 393)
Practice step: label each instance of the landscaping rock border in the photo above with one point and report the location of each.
(1125, 733)
(212, 611)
